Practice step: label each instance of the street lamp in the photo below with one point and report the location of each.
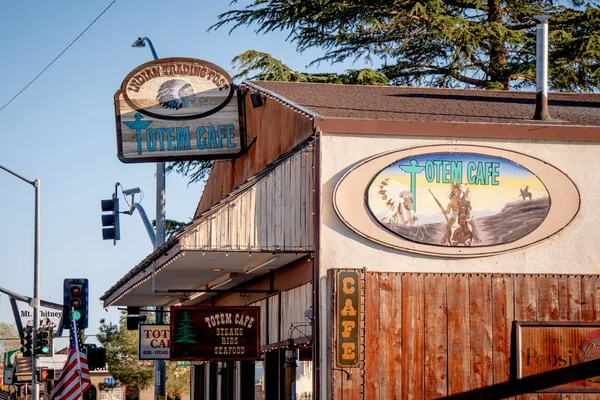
(140, 42)
(159, 365)
(35, 390)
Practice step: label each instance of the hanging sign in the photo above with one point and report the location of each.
(49, 317)
(347, 321)
(215, 333)
(154, 343)
(456, 200)
(175, 109)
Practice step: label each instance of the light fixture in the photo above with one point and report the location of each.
(141, 42)
(198, 294)
(222, 280)
(257, 100)
(217, 269)
(290, 354)
(308, 314)
(251, 268)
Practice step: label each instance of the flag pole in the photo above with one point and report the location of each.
(76, 330)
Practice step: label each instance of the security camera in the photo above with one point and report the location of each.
(131, 191)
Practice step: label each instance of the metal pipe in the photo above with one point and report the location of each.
(541, 68)
(316, 350)
(35, 389)
(147, 224)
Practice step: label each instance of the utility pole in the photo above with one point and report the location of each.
(159, 365)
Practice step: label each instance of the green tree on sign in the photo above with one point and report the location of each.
(184, 332)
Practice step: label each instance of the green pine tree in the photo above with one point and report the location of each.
(466, 43)
(184, 331)
(486, 44)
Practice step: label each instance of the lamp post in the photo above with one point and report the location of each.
(159, 365)
(35, 390)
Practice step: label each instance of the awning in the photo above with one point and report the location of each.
(262, 225)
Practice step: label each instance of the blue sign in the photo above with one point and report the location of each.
(110, 381)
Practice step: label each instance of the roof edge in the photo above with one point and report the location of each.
(282, 99)
(155, 255)
(483, 130)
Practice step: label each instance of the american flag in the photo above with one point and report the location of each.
(74, 380)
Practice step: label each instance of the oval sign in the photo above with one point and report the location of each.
(456, 200)
(177, 88)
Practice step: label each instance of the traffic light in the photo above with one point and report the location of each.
(75, 301)
(110, 220)
(43, 342)
(46, 374)
(96, 356)
(26, 342)
(134, 318)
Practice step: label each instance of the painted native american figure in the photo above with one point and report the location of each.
(399, 200)
(173, 94)
(458, 211)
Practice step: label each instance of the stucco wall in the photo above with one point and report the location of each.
(573, 250)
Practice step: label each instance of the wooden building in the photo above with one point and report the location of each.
(404, 242)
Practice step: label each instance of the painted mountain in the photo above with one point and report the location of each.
(514, 221)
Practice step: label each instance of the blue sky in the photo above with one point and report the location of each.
(61, 130)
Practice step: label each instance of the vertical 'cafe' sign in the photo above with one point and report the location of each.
(347, 322)
(178, 109)
(215, 333)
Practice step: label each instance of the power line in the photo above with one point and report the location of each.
(57, 57)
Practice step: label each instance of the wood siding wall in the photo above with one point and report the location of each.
(434, 336)
(276, 128)
(283, 315)
(274, 214)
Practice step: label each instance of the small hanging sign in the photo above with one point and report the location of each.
(215, 333)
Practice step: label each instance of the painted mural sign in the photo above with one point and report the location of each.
(177, 109)
(215, 333)
(347, 324)
(566, 354)
(457, 200)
